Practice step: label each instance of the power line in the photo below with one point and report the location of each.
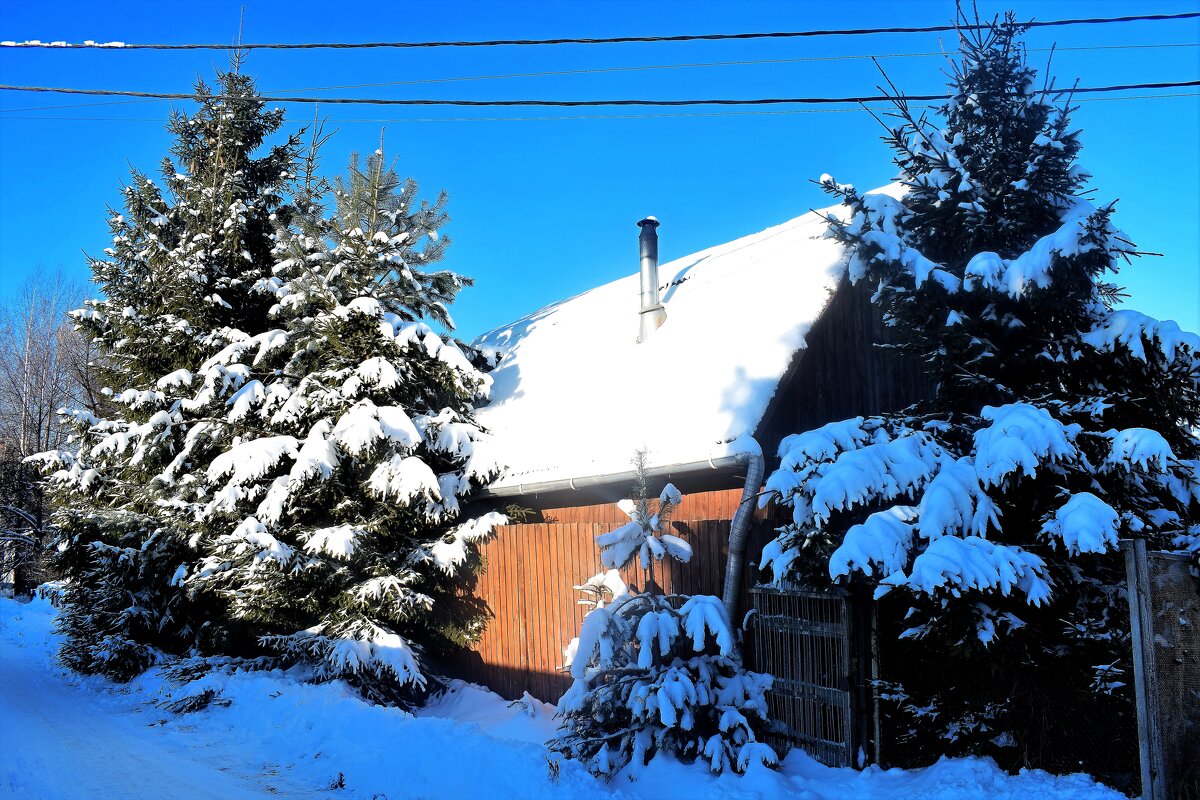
(611, 40)
(563, 117)
(77, 105)
(382, 101)
(632, 68)
(703, 64)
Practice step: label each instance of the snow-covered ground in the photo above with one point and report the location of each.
(63, 737)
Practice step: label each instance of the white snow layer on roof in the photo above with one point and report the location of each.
(575, 394)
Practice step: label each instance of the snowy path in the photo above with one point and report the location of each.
(63, 737)
(61, 741)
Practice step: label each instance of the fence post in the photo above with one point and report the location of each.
(1145, 675)
(876, 716)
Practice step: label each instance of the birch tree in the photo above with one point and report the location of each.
(44, 366)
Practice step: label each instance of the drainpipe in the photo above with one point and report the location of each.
(739, 530)
(652, 312)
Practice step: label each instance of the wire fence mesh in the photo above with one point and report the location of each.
(803, 639)
(809, 640)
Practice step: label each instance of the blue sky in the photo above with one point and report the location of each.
(544, 209)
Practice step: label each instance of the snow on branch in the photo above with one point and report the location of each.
(318, 456)
(404, 479)
(1020, 437)
(338, 541)
(248, 461)
(1085, 230)
(1084, 524)
(951, 566)
(1133, 331)
(882, 542)
(885, 470)
(704, 615)
(252, 536)
(343, 651)
(1141, 448)
(955, 501)
(451, 551)
(365, 424)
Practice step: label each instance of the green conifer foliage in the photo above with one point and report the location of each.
(333, 527)
(186, 254)
(987, 517)
(292, 444)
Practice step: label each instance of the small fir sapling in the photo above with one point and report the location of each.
(987, 516)
(645, 534)
(653, 672)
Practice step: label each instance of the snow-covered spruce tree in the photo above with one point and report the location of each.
(340, 446)
(658, 673)
(987, 517)
(180, 275)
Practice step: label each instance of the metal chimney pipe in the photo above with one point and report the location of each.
(652, 312)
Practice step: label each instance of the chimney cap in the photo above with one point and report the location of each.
(651, 221)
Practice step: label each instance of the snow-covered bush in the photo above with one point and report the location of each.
(987, 517)
(653, 676)
(657, 673)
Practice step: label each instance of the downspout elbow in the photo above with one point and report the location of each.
(739, 531)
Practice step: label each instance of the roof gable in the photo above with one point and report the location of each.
(574, 394)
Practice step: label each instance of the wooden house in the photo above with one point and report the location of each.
(705, 363)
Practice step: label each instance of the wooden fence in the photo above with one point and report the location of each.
(528, 582)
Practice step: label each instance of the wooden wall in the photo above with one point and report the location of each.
(532, 567)
(842, 373)
(528, 582)
(719, 504)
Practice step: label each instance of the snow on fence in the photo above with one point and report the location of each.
(1165, 621)
(527, 585)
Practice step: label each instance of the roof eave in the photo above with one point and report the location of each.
(624, 477)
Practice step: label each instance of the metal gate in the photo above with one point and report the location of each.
(803, 638)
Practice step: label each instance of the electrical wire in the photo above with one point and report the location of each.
(705, 64)
(382, 101)
(564, 117)
(77, 105)
(115, 46)
(634, 68)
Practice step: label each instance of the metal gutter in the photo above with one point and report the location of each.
(589, 481)
(738, 529)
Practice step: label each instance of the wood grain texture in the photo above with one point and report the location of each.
(532, 567)
(528, 586)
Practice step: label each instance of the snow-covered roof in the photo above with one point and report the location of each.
(575, 394)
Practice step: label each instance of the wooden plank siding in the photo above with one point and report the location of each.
(532, 567)
(719, 504)
(528, 582)
(841, 373)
